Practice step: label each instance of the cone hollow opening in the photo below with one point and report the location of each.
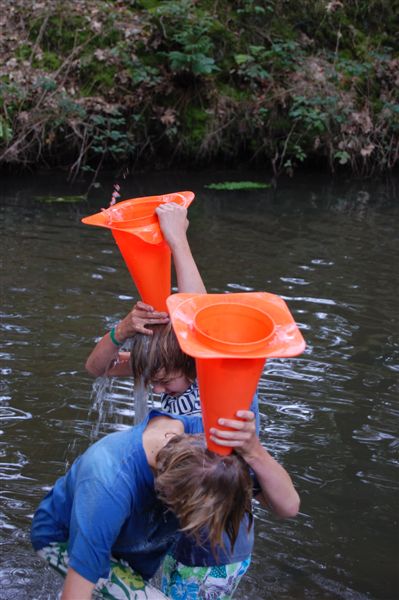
(133, 215)
(233, 327)
(139, 212)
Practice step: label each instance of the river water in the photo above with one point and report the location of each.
(330, 249)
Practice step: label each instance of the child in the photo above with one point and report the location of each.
(161, 362)
(105, 359)
(180, 394)
(157, 358)
(107, 507)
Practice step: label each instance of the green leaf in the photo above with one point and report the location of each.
(343, 156)
(60, 199)
(242, 58)
(238, 185)
(6, 132)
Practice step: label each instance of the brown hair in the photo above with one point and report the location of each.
(206, 491)
(160, 351)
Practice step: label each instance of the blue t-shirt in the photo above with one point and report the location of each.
(106, 505)
(186, 550)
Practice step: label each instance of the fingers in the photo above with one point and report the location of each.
(172, 217)
(170, 207)
(248, 415)
(228, 443)
(149, 312)
(238, 436)
(140, 316)
(140, 325)
(142, 306)
(155, 317)
(241, 432)
(142, 329)
(246, 421)
(157, 320)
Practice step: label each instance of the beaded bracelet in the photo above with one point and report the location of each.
(113, 338)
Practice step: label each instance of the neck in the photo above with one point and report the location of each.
(157, 434)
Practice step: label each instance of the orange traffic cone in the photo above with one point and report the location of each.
(230, 336)
(135, 227)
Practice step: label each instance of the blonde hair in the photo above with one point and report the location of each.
(159, 352)
(210, 494)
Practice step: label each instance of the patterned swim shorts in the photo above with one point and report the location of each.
(122, 584)
(181, 582)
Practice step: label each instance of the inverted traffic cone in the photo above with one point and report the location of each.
(230, 336)
(135, 227)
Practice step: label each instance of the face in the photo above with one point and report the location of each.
(171, 383)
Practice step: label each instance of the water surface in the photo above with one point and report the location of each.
(329, 248)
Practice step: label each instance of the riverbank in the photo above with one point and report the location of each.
(92, 83)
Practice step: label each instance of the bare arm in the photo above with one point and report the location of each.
(173, 222)
(278, 491)
(105, 358)
(76, 587)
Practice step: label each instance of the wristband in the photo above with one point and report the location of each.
(113, 338)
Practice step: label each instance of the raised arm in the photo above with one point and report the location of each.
(278, 492)
(173, 222)
(106, 358)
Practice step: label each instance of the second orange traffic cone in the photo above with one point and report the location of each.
(230, 336)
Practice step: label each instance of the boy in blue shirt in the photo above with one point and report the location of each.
(128, 495)
(156, 358)
(191, 569)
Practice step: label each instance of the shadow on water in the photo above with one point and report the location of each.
(329, 248)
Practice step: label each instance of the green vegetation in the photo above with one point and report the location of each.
(238, 185)
(60, 199)
(156, 83)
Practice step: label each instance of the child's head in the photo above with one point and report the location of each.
(158, 359)
(206, 491)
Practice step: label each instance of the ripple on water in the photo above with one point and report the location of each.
(38, 583)
(240, 287)
(329, 415)
(298, 411)
(368, 434)
(9, 414)
(10, 328)
(11, 469)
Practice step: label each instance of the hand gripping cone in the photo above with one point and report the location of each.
(135, 227)
(230, 336)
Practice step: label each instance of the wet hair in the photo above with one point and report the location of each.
(209, 493)
(157, 353)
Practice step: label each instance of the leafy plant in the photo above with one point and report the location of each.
(5, 131)
(190, 33)
(238, 185)
(60, 199)
(156, 82)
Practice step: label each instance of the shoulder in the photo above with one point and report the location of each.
(163, 423)
(192, 423)
(189, 423)
(107, 457)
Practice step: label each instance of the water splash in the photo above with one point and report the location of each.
(118, 402)
(117, 189)
(111, 214)
(141, 398)
(115, 194)
(140, 402)
(101, 389)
